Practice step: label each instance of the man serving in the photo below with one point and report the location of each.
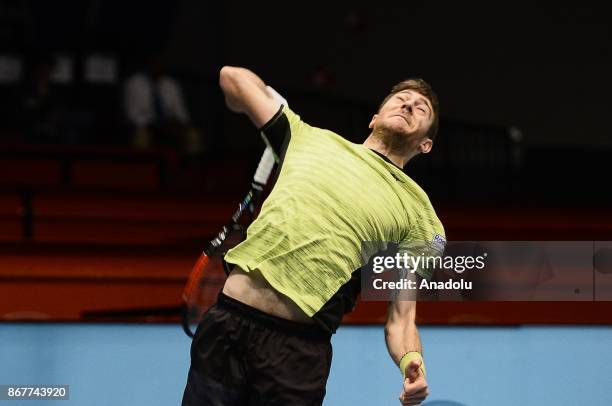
(267, 340)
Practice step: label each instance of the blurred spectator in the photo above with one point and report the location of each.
(156, 110)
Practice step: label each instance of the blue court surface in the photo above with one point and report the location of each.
(132, 364)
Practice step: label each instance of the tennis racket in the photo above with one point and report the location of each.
(210, 271)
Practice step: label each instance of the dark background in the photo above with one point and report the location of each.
(542, 68)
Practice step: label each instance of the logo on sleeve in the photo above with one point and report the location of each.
(438, 242)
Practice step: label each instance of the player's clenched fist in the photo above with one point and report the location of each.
(415, 388)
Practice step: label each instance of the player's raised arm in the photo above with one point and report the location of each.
(246, 93)
(404, 345)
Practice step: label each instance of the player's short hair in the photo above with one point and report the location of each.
(423, 88)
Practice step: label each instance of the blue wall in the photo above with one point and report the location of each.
(147, 364)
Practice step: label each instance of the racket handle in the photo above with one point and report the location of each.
(264, 169)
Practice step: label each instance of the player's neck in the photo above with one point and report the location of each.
(378, 145)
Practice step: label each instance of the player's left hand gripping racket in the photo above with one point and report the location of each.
(208, 274)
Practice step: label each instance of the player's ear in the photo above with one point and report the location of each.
(373, 121)
(425, 146)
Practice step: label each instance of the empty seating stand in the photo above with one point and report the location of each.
(96, 229)
(48, 166)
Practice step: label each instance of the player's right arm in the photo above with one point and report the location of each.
(246, 93)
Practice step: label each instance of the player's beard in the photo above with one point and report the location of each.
(395, 141)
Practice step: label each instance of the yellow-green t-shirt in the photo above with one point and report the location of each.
(330, 196)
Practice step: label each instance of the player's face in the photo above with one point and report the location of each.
(407, 112)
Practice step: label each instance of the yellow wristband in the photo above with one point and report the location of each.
(411, 356)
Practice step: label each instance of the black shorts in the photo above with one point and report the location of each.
(243, 356)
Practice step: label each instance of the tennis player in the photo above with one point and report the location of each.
(267, 340)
